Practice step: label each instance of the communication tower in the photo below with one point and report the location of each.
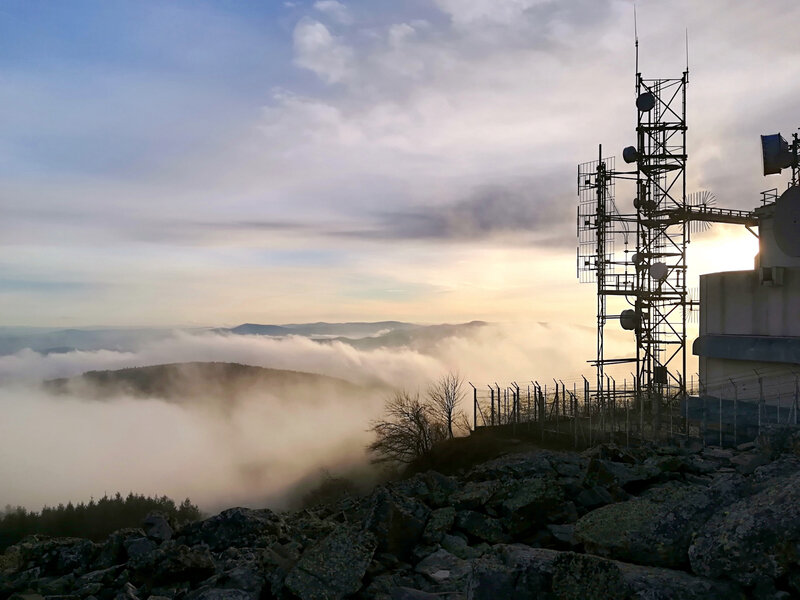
(649, 279)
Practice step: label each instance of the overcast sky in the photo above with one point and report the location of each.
(207, 163)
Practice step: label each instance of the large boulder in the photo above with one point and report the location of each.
(156, 527)
(481, 527)
(444, 568)
(516, 466)
(583, 576)
(530, 503)
(440, 521)
(334, 567)
(655, 529)
(629, 477)
(513, 572)
(235, 527)
(474, 495)
(113, 551)
(173, 563)
(755, 538)
(397, 522)
(52, 556)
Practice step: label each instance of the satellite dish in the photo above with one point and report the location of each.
(659, 271)
(643, 205)
(630, 155)
(776, 153)
(787, 222)
(645, 102)
(628, 319)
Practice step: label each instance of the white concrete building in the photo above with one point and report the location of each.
(750, 320)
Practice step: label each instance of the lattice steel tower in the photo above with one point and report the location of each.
(651, 277)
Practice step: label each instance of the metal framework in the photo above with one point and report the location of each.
(652, 276)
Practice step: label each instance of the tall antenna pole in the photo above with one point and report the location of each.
(687, 49)
(636, 38)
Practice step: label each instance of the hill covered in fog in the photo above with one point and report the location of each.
(186, 382)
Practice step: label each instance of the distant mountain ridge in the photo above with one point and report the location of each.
(321, 328)
(362, 335)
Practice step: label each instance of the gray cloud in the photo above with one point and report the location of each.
(519, 213)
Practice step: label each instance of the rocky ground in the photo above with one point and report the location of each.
(646, 523)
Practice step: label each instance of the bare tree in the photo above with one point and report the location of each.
(408, 430)
(445, 396)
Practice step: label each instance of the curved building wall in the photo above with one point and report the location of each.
(750, 330)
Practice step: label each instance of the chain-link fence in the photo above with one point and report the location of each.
(576, 413)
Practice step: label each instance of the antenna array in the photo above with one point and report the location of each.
(649, 280)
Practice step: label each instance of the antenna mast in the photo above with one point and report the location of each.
(646, 286)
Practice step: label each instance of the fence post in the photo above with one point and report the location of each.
(491, 391)
(474, 406)
(703, 421)
(735, 411)
(555, 406)
(760, 399)
(720, 417)
(587, 404)
(529, 403)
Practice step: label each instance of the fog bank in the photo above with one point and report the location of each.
(65, 448)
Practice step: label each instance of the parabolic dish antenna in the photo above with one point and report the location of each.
(787, 222)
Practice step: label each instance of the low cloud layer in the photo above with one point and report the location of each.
(57, 448)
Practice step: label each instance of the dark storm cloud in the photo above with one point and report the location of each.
(495, 210)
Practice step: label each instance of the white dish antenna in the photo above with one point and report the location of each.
(659, 271)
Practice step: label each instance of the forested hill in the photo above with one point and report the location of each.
(184, 381)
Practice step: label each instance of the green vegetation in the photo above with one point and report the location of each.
(95, 520)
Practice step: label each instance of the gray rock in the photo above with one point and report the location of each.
(440, 488)
(246, 576)
(443, 567)
(755, 538)
(529, 503)
(235, 527)
(563, 533)
(626, 476)
(583, 576)
(221, 594)
(474, 494)
(333, 568)
(157, 527)
(481, 527)
(113, 550)
(137, 548)
(397, 522)
(517, 466)
(128, 592)
(171, 563)
(655, 529)
(514, 572)
(53, 556)
(747, 463)
(404, 593)
(440, 521)
(457, 546)
(593, 497)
